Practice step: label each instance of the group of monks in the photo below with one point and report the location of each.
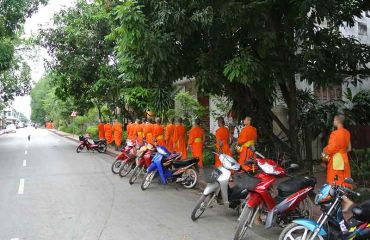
(176, 138)
(111, 132)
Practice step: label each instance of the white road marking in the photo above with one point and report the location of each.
(25, 152)
(21, 186)
(26, 145)
(14, 239)
(24, 162)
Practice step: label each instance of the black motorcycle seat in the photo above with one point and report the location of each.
(362, 211)
(294, 184)
(100, 141)
(172, 156)
(245, 181)
(184, 163)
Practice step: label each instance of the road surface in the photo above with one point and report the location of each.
(48, 191)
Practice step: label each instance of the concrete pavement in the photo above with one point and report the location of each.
(48, 191)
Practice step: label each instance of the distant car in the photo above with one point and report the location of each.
(11, 128)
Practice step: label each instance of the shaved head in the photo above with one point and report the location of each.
(247, 121)
(339, 120)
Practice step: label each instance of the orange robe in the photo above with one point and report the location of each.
(129, 131)
(148, 133)
(196, 135)
(139, 133)
(338, 143)
(101, 130)
(108, 132)
(247, 138)
(158, 134)
(180, 140)
(223, 136)
(134, 131)
(170, 129)
(117, 133)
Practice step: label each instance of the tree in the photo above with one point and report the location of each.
(14, 72)
(249, 51)
(83, 65)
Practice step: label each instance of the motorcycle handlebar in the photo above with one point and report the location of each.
(255, 152)
(351, 191)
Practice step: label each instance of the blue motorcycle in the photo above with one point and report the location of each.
(170, 168)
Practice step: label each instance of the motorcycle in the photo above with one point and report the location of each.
(129, 163)
(285, 207)
(218, 187)
(170, 168)
(126, 152)
(331, 223)
(143, 160)
(99, 145)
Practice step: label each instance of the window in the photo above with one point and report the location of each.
(331, 92)
(362, 29)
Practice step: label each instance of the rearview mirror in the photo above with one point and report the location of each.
(349, 180)
(294, 166)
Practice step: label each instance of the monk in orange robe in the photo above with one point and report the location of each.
(158, 132)
(139, 131)
(222, 140)
(196, 141)
(180, 139)
(338, 146)
(108, 132)
(133, 131)
(101, 130)
(129, 130)
(170, 130)
(148, 131)
(247, 138)
(117, 133)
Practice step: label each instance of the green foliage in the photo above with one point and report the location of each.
(93, 131)
(359, 111)
(188, 106)
(14, 72)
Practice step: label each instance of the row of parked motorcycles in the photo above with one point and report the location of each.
(251, 193)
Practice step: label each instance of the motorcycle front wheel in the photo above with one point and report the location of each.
(200, 207)
(297, 232)
(79, 148)
(190, 178)
(125, 168)
(244, 222)
(147, 180)
(135, 174)
(116, 166)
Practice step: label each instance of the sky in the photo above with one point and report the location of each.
(40, 19)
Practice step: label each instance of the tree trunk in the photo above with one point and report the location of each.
(293, 119)
(308, 146)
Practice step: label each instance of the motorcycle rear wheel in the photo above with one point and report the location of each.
(125, 168)
(297, 232)
(116, 166)
(191, 178)
(200, 207)
(244, 222)
(148, 178)
(102, 148)
(135, 174)
(79, 148)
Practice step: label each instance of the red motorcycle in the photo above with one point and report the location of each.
(143, 160)
(292, 201)
(129, 163)
(89, 144)
(128, 151)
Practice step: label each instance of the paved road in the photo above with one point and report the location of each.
(48, 191)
